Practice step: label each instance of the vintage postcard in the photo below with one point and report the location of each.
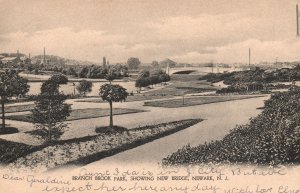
(150, 96)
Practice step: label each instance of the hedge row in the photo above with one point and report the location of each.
(271, 138)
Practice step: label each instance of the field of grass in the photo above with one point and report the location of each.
(178, 85)
(77, 114)
(18, 108)
(200, 100)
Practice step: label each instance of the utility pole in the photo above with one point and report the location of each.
(212, 66)
(29, 59)
(74, 88)
(297, 19)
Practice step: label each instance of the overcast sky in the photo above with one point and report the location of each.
(184, 31)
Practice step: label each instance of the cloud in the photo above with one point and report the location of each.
(284, 50)
(62, 41)
(215, 29)
(199, 38)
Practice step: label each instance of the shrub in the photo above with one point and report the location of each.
(273, 137)
(84, 87)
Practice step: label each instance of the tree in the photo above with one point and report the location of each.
(142, 82)
(59, 79)
(55, 69)
(133, 63)
(111, 75)
(143, 74)
(164, 77)
(51, 111)
(71, 72)
(112, 93)
(11, 84)
(83, 72)
(155, 64)
(154, 79)
(36, 71)
(84, 87)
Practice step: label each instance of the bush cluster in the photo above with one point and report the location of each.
(146, 79)
(257, 75)
(247, 87)
(273, 137)
(215, 77)
(252, 87)
(10, 151)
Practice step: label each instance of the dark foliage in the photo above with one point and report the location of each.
(146, 78)
(109, 130)
(257, 75)
(10, 151)
(8, 130)
(100, 155)
(50, 112)
(84, 87)
(112, 93)
(11, 84)
(272, 138)
(133, 63)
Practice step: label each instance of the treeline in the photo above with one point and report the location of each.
(147, 78)
(254, 80)
(257, 75)
(93, 71)
(253, 87)
(101, 72)
(272, 137)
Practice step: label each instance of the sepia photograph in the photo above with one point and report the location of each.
(150, 96)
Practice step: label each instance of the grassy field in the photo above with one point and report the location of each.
(77, 114)
(179, 84)
(174, 103)
(19, 108)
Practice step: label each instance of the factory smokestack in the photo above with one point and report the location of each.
(44, 56)
(249, 56)
(297, 19)
(104, 61)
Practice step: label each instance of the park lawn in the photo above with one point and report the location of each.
(77, 114)
(179, 85)
(18, 108)
(200, 100)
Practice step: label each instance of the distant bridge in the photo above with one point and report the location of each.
(199, 70)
